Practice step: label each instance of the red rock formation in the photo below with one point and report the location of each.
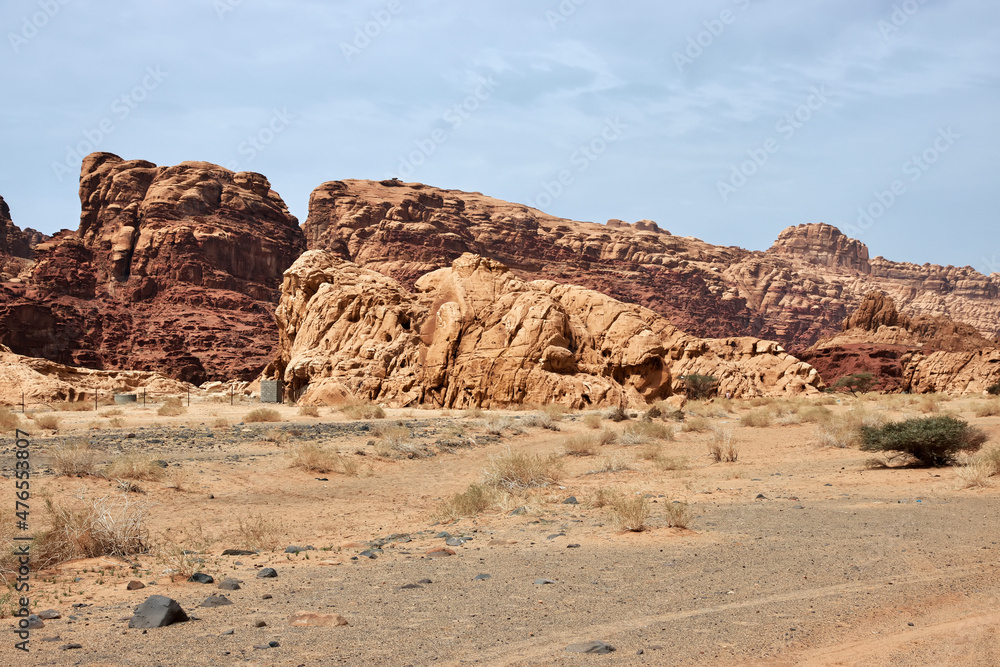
(797, 292)
(920, 354)
(173, 269)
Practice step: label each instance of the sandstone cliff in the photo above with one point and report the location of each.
(175, 269)
(796, 293)
(919, 354)
(475, 335)
(16, 249)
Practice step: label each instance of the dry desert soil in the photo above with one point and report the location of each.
(794, 554)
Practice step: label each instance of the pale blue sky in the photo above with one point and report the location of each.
(647, 110)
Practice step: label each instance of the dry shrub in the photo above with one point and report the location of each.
(678, 514)
(696, 425)
(654, 430)
(116, 422)
(671, 462)
(472, 413)
(707, 410)
(313, 458)
(603, 497)
(606, 436)
(617, 414)
(757, 419)
(171, 410)
(555, 411)
(844, 429)
(816, 414)
(74, 457)
(612, 463)
(309, 411)
(262, 415)
(978, 470)
(395, 440)
(929, 403)
(72, 406)
(363, 411)
(651, 451)
(48, 422)
(496, 425)
(988, 408)
(257, 531)
(518, 470)
(178, 479)
(722, 447)
(631, 437)
(592, 420)
(469, 503)
(109, 525)
(629, 513)
(134, 466)
(582, 445)
(542, 420)
(824, 400)
(117, 412)
(8, 420)
(220, 423)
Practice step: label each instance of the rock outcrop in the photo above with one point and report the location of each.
(16, 249)
(475, 335)
(919, 354)
(796, 293)
(40, 381)
(174, 269)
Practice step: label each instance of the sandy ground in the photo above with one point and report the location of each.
(795, 554)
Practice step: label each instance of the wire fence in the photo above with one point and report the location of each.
(108, 398)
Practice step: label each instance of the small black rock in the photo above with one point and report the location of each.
(230, 585)
(215, 601)
(156, 612)
(69, 647)
(267, 573)
(201, 578)
(571, 501)
(238, 552)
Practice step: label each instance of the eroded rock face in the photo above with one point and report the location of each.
(476, 335)
(797, 292)
(922, 354)
(174, 269)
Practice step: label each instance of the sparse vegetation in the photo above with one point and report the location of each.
(8, 420)
(134, 467)
(678, 514)
(759, 418)
(171, 408)
(613, 463)
(648, 430)
(699, 386)
(518, 470)
(48, 422)
(395, 440)
(496, 425)
(931, 441)
(363, 411)
(262, 415)
(857, 383)
(88, 527)
(555, 411)
(592, 420)
(314, 458)
(74, 457)
(629, 513)
(989, 408)
(723, 447)
(617, 414)
(469, 503)
(220, 423)
(696, 425)
(73, 406)
(309, 411)
(994, 389)
(257, 531)
(602, 497)
(542, 420)
(582, 445)
(844, 429)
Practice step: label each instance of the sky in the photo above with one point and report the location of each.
(727, 120)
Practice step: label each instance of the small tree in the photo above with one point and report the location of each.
(932, 441)
(855, 383)
(699, 386)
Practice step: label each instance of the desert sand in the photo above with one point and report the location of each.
(795, 554)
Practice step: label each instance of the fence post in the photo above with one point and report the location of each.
(189, 397)
(22, 402)
(232, 392)
(96, 394)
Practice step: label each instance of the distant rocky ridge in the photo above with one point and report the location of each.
(920, 354)
(796, 293)
(173, 269)
(475, 335)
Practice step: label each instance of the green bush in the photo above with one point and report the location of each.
(858, 383)
(932, 441)
(699, 386)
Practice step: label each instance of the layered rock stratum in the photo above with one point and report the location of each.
(173, 269)
(474, 334)
(920, 354)
(796, 293)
